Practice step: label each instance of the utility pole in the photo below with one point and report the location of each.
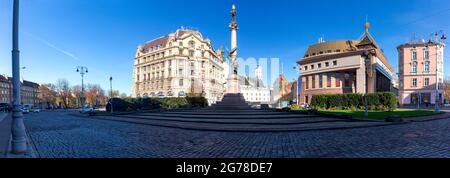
(19, 142)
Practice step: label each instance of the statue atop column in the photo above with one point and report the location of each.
(233, 52)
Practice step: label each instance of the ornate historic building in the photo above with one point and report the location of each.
(421, 66)
(344, 66)
(180, 63)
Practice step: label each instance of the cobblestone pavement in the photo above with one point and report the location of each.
(62, 135)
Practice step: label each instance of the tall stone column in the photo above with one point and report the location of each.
(233, 80)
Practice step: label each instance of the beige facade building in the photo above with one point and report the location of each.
(178, 64)
(421, 66)
(344, 66)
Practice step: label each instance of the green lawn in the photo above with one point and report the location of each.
(380, 115)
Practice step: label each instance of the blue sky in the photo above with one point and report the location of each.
(58, 35)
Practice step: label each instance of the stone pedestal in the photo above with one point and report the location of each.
(233, 84)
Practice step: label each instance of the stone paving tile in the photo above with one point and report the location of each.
(60, 135)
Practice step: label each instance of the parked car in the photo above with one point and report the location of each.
(87, 109)
(25, 110)
(36, 110)
(5, 107)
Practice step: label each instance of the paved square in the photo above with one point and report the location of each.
(61, 135)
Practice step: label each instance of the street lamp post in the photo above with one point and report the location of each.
(298, 84)
(82, 70)
(111, 98)
(368, 64)
(19, 143)
(437, 101)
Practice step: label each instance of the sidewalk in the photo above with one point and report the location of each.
(5, 136)
(5, 133)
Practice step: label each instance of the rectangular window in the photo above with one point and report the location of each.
(334, 63)
(312, 66)
(180, 83)
(413, 54)
(319, 65)
(307, 82)
(320, 81)
(313, 81)
(327, 64)
(426, 55)
(426, 82)
(329, 80)
(346, 80)
(414, 82)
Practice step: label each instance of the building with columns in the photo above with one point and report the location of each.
(178, 64)
(344, 66)
(421, 66)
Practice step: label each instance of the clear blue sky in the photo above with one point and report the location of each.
(58, 35)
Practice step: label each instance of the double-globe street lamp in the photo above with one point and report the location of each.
(443, 38)
(82, 70)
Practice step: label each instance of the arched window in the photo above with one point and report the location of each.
(427, 66)
(414, 67)
(191, 44)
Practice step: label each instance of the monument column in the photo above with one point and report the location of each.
(233, 81)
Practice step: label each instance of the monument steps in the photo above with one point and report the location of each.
(228, 116)
(247, 127)
(236, 121)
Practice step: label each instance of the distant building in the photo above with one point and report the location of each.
(5, 90)
(421, 66)
(283, 93)
(345, 66)
(253, 88)
(29, 91)
(180, 63)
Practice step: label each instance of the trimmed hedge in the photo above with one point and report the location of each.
(383, 101)
(128, 104)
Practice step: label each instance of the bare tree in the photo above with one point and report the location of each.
(76, 93)
(48, 94)
(446, 88)
(115, 93)
(95, 95)
(63, 89)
